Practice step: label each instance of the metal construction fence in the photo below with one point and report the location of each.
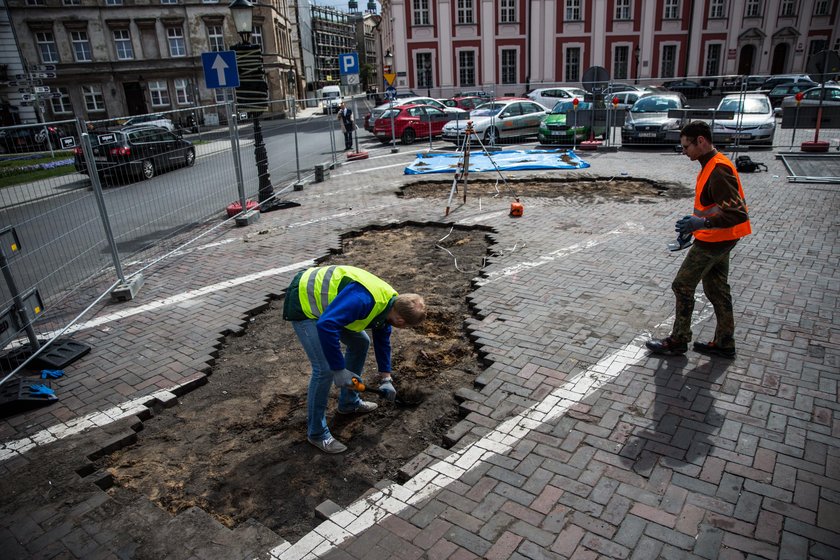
(86, 208)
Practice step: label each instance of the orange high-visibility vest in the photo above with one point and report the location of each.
(718, 234)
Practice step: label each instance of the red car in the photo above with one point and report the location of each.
(410, 122)
(465, 103)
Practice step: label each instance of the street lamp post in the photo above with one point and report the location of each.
(637, 52)
(242, 12)
(293, 86)
(389, 60)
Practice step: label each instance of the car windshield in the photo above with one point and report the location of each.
(487, 110)
(780, 90)
(562, 107)
(750, 106)
(655, 105)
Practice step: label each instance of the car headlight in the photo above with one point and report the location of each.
(768, 126)
(671, 125)
(543, 126)
(718, 127)
(628, 126)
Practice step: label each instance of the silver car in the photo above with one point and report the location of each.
(647, 121)
(754, 122)
(502, 118)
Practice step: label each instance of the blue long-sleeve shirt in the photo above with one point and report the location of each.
(351, 304)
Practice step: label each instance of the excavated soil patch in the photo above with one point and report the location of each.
(237, 448)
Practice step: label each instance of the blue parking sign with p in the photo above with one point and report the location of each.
(348, 63)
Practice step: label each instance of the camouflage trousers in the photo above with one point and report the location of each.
(711, 266)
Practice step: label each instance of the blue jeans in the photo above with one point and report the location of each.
(356, 348)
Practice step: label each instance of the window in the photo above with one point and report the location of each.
(256, 36)
(113, 2)
(122, 44)
(621, 62)
(158, 93)
(753, 8)
(71, 2)
(672, 9)
(788, 8)
(61, 104)
(81, 46)
(36, 2)
(509, 66)
(465, 11)
(717, 9)
(507, 11)
(622, 9)
(713, 59)
(422, 15)
(209, 1)
(821, 8)
(46, 46)
(573, 64)
(669, 59)
(466, 68)
(222, 95)
(183, 92)
(216, 38)
(168, 1)
(93, 98)
(573, 10)
(175, 36)
(424, 70)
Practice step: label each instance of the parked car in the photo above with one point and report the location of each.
(779, 79)
(139, 152)
(474, 93)
(778, 93)
(647, 121)
(616, 87)
(689, 88)
(626, 99)
(465, 103)
(549, 97)
(811, 98)
(747, 83)
(562, 126)
(410, 123)
(506, 117)
(377, 111)
(754, 121)
(151, 120)
(30, 138)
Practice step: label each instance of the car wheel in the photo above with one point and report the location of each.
(408, 136)
(491, 135)
(189, 159)
(148, 169)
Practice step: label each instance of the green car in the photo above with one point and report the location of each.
(560, 126)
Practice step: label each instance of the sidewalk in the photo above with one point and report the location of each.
(576, 443)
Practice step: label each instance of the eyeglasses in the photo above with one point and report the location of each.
(687, 146)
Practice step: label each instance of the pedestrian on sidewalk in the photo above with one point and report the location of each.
(348, 124)
(719, 220)
(331, 305)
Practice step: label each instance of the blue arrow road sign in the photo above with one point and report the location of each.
(220, 69)
(348, 63)
(391, 92)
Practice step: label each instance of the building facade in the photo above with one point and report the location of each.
(116, 58)
(333, 34)
(517, 45)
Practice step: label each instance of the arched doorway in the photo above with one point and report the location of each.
(780, 54)
(745, 62)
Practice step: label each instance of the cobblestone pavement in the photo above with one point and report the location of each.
(575, 442)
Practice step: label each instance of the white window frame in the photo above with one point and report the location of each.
(788, 8)
(752, 8)
(717, 9)
(47, 49)
(465, 69)
(509, 69)
(183, 91)
(668, 67)
(61, 105)
(71, 2)
(507, 11)
(623, 10)
(465, 12)
(713, 70)
(122, 44)
(168, 1)
(571, 68)
(421, 12)
(671, 9)
(94, 100)
(621, 62)
(82, 51)
(159, 93)
(175, 40)
(573, 10)
(216, 38)
(36, 2)
(419, 69)
(113, 2)
(257, 35)
(821, 8)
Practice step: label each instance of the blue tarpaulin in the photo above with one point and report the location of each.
(505, 160)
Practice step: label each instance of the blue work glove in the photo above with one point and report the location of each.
(51, 373)
(386, 389)
(689, 224)
(343, 378)
(39, 390)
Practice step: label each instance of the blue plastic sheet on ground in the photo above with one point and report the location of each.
(505, 160)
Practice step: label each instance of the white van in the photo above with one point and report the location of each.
(330, 99)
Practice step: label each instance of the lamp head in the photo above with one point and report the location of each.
(242, 12)
(389, 58)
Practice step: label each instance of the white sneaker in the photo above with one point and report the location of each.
(329, 445)
(363, 408)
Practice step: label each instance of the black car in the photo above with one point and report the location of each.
(778, 93)
(136, 153)
(30, 138)
(689, 88)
